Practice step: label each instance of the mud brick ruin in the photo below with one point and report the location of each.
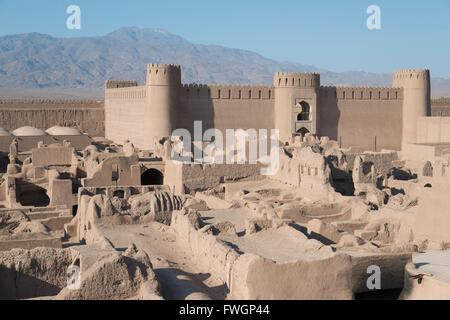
(94, 206)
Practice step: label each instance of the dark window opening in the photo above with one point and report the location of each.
(304, 115)
(152, 177)
(74, 210)
(115, 173)
(119, 194)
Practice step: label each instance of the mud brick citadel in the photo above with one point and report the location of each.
(369, 117)
(90, 189)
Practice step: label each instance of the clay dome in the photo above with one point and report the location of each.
(63, 131)
(28, 131)
(4, 132)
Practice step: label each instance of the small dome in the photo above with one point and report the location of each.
(4, 132)
(63, 131)
(28, 131)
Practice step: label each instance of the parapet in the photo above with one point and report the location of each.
(412, 78)
(297, 80)
(361, 93)
(163, 75)
(218, 91)
(113, 84)
(49, 103)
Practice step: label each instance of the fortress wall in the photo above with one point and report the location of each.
(226, 107)
(433, 129)
(227, 92)
(440, 107)
(355, 115)
(124, 114)
(87, 115)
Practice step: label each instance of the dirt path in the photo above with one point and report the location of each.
(177, 271)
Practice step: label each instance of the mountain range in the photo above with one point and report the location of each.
(39, 61)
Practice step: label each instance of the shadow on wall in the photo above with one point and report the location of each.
(33, 196)
(19, 285)
(197, 105)
(329, 114)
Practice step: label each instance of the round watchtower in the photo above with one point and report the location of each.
(296, 103)
(416, 99)
(163, 83)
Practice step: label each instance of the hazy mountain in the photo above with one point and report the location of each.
(41, 61)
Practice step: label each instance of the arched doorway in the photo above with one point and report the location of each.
(152, 177)
(302, 131)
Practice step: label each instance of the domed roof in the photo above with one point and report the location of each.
(63, 131)
(4, 132)
(28, 131)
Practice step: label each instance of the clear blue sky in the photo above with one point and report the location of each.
(330, 34)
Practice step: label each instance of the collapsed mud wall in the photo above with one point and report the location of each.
(33, 273)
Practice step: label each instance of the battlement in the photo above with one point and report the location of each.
(412, 78)
(138, 92)
(161, 66)
(361, 93)
(297, 80)
(163, 75)
(410, 73)
(219, 91)
(113, 84)
(49, 103)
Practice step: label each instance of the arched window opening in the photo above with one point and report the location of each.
(305, 110)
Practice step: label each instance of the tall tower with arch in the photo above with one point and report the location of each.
(416, 100)
(296, 101)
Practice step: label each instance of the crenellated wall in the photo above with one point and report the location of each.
(87, 115)
(297, 79)
(373, 118)
(112, 84)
